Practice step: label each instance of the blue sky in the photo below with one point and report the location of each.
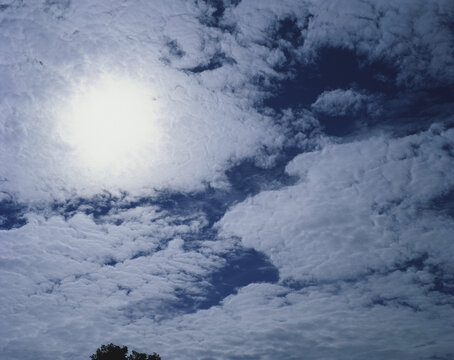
(227, 179)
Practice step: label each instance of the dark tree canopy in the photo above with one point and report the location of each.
(114, 352)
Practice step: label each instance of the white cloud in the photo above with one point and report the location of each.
(355, 209)
(333, 321)
(341, 102)
(363, 259)
(56, 276)
(202, 129)
(412, 35)
(207, 119)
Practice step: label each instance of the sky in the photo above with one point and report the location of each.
(227, 179)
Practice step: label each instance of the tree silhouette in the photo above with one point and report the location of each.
(142, 356)
(115, 352)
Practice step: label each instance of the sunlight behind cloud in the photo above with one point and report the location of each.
(110, 123)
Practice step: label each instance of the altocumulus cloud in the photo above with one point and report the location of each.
(201, 131)
(296, 200)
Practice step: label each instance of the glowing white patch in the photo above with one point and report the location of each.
(111, 125)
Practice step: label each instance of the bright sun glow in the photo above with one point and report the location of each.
(111, 123)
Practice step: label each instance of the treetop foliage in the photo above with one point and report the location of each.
(115, 352)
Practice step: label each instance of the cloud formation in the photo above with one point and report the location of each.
(345, 102)
(201, 131)
(413, 36)
(357, 208)
(299, 200)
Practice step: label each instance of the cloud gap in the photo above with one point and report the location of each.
(12, 214)
(218, 60)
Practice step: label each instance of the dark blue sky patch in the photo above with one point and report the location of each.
(426, 102)
(218, 60)
(110, 262)
(11, 215)
(98, 205)
(335, 286)
(401, 108)
(289, 31)
(415, 263)
(175, 49)
(171, 51)
(211, 201)
(218, 8)
(443, 280)
(244, 267)
(213, 17)
(127, 290)
(444, 283)
(394, 302)
(340, 125)
(140, 254)
(50, 286)
(247, 178)
(444, 204)
(334, 68)
(287, 36)
(449, 148)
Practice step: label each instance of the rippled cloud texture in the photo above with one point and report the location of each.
(295, 201)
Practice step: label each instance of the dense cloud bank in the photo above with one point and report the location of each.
(295, 200)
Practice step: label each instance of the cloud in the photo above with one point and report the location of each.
(201, 130)
(357, 244)
(102, 276)
(86, 274)
(206, 117)
(355, 209)
(335, 248)
(341, 102)
(334, 321)
(413, 36)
